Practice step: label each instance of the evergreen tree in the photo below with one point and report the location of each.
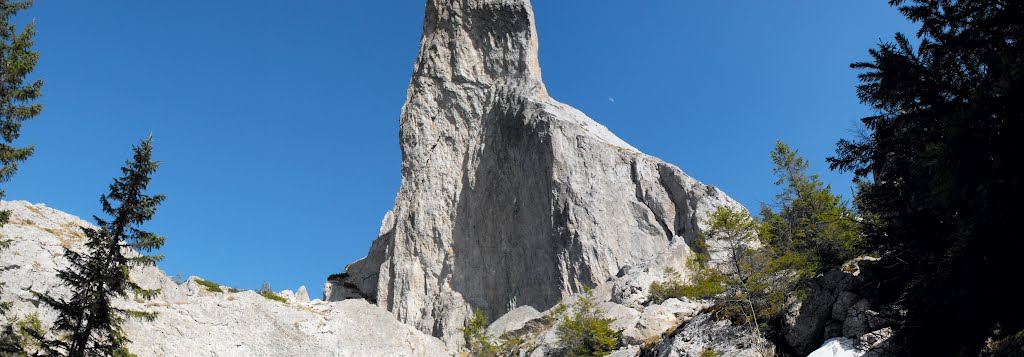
(17, 60)
(940, 161)
(585, 331)
(810, 221)
(748, 281)
(478, 342)
(100, 274)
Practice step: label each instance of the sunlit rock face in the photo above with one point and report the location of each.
(193, 319)
(507, 194)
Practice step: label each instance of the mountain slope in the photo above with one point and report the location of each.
(194, 321)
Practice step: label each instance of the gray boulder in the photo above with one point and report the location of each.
(622, 316)
(856, 323)
(659, 320)
(806, 320)
(514, 320)
(302, 296)
(844, 301)
(705, 333)
(633, 287)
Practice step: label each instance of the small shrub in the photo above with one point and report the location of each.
(707, 352)
(706, 285)
(233, 290)
(585, 331)
(30, 329)
(268, 292)
(1010, 346)
(671, 288)
(510, 345)
(477, 340)
(209, 285)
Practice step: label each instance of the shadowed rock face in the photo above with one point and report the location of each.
(508, 194)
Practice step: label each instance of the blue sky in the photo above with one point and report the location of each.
(277, 122)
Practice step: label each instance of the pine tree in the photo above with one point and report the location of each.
(478, 341)
(748, 280)
(584, 330)
(17, 60)
(940, 161)
(101, 273)
(810, 221)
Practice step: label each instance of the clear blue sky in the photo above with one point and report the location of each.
(277, 122)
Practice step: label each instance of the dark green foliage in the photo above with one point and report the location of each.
(510, 345)
(584, 331)
(4, 305)
(477, 340)
(810, 221)
(940, 164)
(707, 283)
(749, 285)
(10, 343)
(17, 60)
(210, 286)
(707, 352)
(672, 287)
(755, 281)
(101, 273)
(26, 331)
(480, 343)
(1010, 346)
(268, 292)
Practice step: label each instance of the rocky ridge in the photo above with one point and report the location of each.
(194, 321)
(507, 194)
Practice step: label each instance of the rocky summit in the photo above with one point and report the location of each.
(510, 197)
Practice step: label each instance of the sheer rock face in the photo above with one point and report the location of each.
(508, 194)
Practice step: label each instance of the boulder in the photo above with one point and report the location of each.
(705, 333)
(633, 288)
(302, 296)
(856, 322)
(622, 317)
(659, 320)
(841, 307)
(514, 320)
(805, 321)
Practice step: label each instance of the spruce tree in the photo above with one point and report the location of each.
(17, 60)
(940, 160)
(810, 220)
(102, 273)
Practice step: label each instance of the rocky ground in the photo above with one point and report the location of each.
(193, 321)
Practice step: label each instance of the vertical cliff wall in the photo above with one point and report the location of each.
(508, 194)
